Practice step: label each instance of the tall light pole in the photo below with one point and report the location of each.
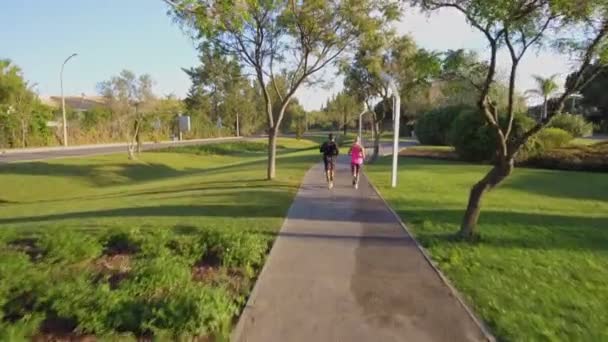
(396, 119)
(65, 121)
(574, 97)
(365, 110)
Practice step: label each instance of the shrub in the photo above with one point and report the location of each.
(552, 138)
(575, 158)
(474, 140)
(602, 127)
(576, 125)
(68, 247)
(236, 249)
(433, 127)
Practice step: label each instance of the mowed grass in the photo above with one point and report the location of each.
(165, 247)
(540, 270)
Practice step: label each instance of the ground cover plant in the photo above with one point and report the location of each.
(166, 247)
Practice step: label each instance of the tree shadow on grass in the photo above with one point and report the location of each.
(208, 210)
(194, 189)
(561, 184)
(109, 174)
(515, 229)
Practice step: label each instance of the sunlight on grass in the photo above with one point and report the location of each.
(168, 245)
(540, 269)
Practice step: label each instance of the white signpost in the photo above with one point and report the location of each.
(396, 117)
(184, 124)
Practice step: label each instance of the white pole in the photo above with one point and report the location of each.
(396, 119)
(65, 121)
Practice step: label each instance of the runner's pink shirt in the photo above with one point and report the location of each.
(356, 154)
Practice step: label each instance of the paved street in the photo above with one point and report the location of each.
(7, 156)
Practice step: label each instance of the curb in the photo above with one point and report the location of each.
(484, 329)
(121, 144)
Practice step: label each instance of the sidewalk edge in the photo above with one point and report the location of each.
(484, 329)
(237, 332)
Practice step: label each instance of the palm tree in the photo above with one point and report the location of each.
(546, 87)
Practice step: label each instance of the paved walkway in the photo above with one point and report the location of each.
(343, 269)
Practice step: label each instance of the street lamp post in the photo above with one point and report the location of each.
(574, 97)
(365, 110)
(65, 121)
(396, 119)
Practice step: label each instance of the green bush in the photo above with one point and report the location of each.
(545, 140)
(474, 139)
(433, 127)
(551, 138)
(236, 249)
(66, 247)
(602, 127)
(576, 125)
(593, 158)
(65, 278)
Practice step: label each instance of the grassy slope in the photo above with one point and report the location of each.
(540, 270)
(163, 190)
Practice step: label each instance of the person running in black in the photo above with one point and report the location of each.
(330, 152)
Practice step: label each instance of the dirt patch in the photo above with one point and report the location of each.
(120, 244)
(63, 338)
(28, 246)
(207, 268)
(113, 268)
(57, 329)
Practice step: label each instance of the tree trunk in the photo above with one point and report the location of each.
(23, 134)
(272, 152)
(545, 108)
(345, 124)
(133, 142)
(376, 134)
(497, 174)
(138, 138)
(238, 129)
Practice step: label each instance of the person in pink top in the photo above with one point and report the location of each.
(357, 155)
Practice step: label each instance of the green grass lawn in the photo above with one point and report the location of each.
(168, 245)
(540, 270)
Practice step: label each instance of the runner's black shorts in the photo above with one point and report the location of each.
(329, 161)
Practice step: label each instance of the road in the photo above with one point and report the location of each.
(9, 156)
(32, 154)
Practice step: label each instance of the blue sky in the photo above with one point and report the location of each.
(112, 35)
(108, 35)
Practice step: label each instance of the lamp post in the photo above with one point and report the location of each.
(65, 121)
(396, 118)
(574, 97)
(365, 110)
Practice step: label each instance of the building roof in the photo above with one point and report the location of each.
(78, 103)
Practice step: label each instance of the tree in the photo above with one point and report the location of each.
(22, 116)
(519, 25)
(219, 80)
(130, 98)
(386, 53)
(594, 102)
(344, 108)
(545, 88)
(299, 38)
